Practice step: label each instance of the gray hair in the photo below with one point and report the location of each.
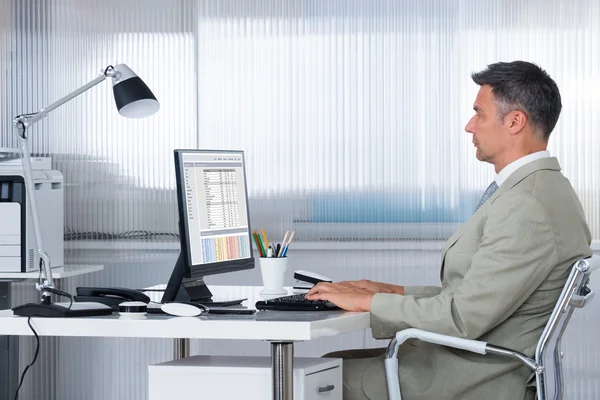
(523, 86)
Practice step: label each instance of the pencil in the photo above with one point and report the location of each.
(264, 252)
(265, 236)
(291, 237)
(255, 236)
(282, 243)
(285, 248)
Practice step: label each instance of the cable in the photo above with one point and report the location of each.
(35, 356)
(61, 293)
(37, 338)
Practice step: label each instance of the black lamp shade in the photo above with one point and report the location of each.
(133, 98)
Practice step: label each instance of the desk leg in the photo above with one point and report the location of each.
(181, 348)
(9, 353)
(282, 370)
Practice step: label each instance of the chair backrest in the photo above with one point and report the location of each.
(575, 293)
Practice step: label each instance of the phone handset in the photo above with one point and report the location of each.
(111, 296)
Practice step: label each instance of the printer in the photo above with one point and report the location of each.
(17, 240)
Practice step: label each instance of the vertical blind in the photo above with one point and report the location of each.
(359, 107)
(350, 112)
(351, 115)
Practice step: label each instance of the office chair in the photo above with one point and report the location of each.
(548, 357)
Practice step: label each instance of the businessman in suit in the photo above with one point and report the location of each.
(501, 272)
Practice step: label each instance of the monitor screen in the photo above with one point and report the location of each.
(215, 207)
(213, 214)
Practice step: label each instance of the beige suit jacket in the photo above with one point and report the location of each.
(501, 275)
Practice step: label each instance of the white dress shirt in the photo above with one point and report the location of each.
(515, 165)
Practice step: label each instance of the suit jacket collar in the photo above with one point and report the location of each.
(549, 163)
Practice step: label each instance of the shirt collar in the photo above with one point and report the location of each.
(515, 165)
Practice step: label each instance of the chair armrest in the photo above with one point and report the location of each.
(475, 346)
(391, 355)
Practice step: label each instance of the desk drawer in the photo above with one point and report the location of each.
(247, 378)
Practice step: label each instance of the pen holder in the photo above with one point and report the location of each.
(272, 270)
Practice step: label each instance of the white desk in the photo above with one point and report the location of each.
(282, 329)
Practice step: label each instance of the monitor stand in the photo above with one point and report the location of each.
(181, 289)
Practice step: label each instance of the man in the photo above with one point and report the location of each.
(502, 271)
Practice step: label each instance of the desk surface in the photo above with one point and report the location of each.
(264, 325)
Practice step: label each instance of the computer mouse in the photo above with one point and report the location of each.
(182, 309)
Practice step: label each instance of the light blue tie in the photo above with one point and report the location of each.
(487, 194)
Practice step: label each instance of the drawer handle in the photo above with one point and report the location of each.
(327, 388)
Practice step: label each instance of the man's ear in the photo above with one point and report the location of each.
(515, 120)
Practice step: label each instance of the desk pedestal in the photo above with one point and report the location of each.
(282, 370)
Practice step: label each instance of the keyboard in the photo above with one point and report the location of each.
(295, 302)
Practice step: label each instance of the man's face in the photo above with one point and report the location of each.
(489, 133)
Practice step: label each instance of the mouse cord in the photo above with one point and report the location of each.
(35, 356)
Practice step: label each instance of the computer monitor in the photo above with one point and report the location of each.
(214, 221)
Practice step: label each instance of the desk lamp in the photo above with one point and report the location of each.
(133, 100)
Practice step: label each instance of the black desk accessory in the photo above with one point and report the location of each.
(62, 310)
(111, 296)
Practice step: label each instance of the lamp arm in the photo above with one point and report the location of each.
(30, 119)
(21, 123)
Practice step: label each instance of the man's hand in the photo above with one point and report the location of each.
(343, 294)
(377, 287)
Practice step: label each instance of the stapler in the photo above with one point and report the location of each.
(307, 279)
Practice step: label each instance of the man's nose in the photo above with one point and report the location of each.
(469, 126)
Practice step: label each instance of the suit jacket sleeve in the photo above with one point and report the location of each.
(516, 253)
(422, 291)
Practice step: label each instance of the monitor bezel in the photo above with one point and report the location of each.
(200, 270)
